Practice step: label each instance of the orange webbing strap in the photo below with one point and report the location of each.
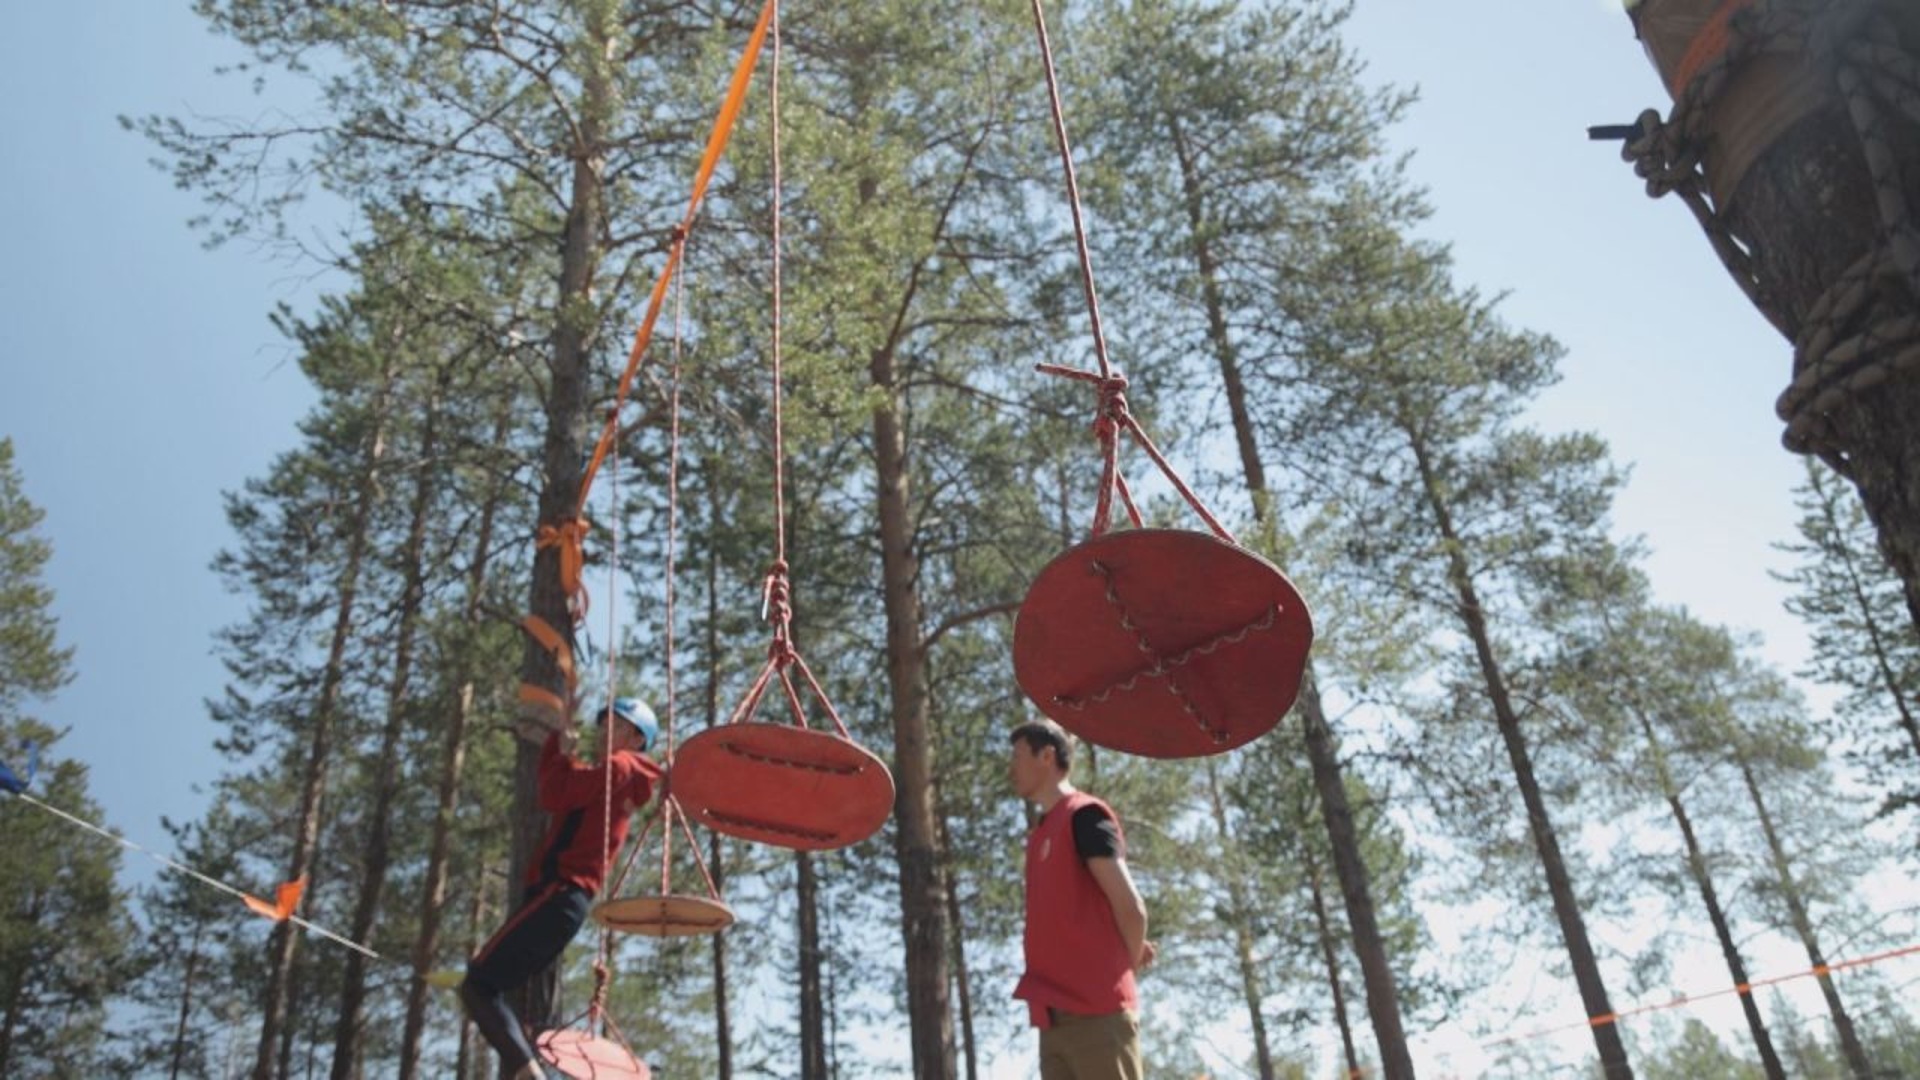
(1707, 45)
(538, 704)
(716, 145)
(571, 538)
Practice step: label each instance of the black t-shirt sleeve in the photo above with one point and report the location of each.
(1096, 835)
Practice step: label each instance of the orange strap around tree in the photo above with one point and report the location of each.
(570, 536)
(1707, 46)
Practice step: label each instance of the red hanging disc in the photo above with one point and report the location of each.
(589, 1057)
(1162, 642)
(783, 785)
(673, 915)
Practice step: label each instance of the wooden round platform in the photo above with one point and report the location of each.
(783, 785)
(589, 1057)
(1162, 642)
(664, 916)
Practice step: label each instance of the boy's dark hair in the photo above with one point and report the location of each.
(1042, 734)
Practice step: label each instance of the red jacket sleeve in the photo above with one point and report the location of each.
(566, 784)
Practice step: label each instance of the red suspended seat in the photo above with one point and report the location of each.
(1162, 642)
(583, 1055)
(778, 784)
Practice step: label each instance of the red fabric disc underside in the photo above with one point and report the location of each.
(590, 1057)
(783, 785)
(1162, 642)
(672, 915)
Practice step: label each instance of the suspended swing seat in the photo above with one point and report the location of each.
(778, 784)
(583, 1055)
(665, 913)
(1162, 642)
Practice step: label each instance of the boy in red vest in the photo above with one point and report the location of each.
(1086, 929)
(566, 875)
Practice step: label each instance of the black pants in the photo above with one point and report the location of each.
(548, 918)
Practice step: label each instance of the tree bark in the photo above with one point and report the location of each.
(956, 921)
(1850, 1045)
(1566, 906)
(1820, 197)
(923, 922)
(1324, 931)
(722, 1023)
(813, 1026)
(284, 941)
(563, 448)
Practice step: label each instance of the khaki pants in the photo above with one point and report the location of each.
(1091, 1047)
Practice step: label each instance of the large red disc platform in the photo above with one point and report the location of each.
(590, 1057)
(664, 916)
(783, 785)
(1162, 643)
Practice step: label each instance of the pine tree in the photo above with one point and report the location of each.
(63, 952)
(1864, 641)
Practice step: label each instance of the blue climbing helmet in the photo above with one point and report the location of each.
(635, 712)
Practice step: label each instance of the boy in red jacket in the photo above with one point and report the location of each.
(566, 875)
(1086, 927)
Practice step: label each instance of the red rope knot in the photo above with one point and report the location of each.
(776, 595)
(570, 537)
(1113, 415)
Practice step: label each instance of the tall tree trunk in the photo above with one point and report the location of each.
(1837, 186)
(1566, 906)
(722, 1024)
(1703, 881)
(1242, 932)
(433, 888)
(963, 987)
(1376, 966)
(1323, 929)
(563, 448)
(813, 1026)
(186, 1006)
(922, 905)
(377, 855)
(284, 941)
(1850, 1045)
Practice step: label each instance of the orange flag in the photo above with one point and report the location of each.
(286, 899)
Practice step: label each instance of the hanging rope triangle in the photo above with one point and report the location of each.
(1157, 642)
(783, 784)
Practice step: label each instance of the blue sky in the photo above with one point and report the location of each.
(142, 380)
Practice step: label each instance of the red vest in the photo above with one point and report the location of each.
(1076, 960)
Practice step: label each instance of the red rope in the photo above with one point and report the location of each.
(1112, 416)
(1073, 193)
(779, 441)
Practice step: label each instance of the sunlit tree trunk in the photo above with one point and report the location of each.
(1566, 906)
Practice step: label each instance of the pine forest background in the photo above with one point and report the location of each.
(1510, 746)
